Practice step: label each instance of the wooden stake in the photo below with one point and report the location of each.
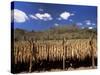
(30, 66)
(63, 54)
(92, 51)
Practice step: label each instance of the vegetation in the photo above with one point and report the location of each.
(67, 43)
(56, 33)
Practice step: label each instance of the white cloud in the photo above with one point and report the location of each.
(90, 27)
(88, 22)
(45, 16)
(93, 24)
(19, 16)
(40, 9)
(56, 24)
(70, 20)
(65, 15)
(33, 17)
(79, 24)
(39, 16)
(59, 18)
(72, 14)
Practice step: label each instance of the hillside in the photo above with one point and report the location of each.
(56, 33)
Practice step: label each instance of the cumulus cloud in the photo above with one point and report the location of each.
(40, 9)
(56, 24)
(93, 24)
(79, 24)
(19, 16)
(72, 14)
(39, 16)
(59, 18)
(90, 27)
(65, 15)
(33, 17)
(45, 16)
(70, 20)
(88, 22)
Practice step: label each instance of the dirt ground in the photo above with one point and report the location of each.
(69, 69)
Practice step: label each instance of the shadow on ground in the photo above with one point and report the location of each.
(49, 65)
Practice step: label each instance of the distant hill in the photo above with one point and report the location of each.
(55, 33)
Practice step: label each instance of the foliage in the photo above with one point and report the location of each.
(56, 33)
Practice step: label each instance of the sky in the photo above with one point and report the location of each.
(42, 16)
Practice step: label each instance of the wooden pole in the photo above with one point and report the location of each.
(92, 51)
(63, 54)
(30, 66)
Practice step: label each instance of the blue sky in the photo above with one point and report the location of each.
(41, 16)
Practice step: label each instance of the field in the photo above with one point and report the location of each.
(55, 49)
(52, 55)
